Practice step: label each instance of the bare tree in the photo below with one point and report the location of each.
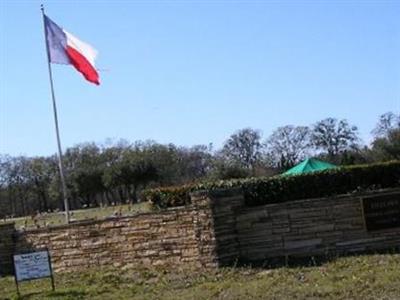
(387, 122)
(288, 145)
(334, 137)
(243, 148)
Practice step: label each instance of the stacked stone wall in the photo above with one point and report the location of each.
(6, 247)
(315, 227)
(176, 237)
(218, 229)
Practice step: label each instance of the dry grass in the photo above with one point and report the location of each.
(358, 277)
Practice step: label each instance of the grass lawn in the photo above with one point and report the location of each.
(357, 277)
(58, 218)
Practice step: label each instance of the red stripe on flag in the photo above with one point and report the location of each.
(83, 65)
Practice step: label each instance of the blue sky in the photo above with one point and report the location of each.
(194, 72)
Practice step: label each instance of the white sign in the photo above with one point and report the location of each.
(32, 265)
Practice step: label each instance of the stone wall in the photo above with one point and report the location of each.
(6, 247)
(226, 205)
(300, 228)
(176, 237)
(216, 230)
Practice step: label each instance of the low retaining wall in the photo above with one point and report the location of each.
(333, 225)
(216, 230)
(176, 237)
(6, 247)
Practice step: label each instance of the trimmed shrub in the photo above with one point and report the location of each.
(277, 189)
(169, 196)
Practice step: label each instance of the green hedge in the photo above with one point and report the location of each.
(260, 191)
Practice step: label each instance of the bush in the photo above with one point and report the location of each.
(169, 196)
(277, 189)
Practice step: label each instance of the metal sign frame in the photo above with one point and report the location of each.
(51, 276)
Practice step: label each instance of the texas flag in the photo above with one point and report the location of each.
(64, 48)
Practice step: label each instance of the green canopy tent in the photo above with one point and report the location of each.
(309, 165)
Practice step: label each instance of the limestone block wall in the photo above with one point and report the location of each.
(226, 205)
(6, 247)
(310, 227)
(176, 237)
(218, 229)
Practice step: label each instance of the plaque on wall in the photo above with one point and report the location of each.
(381, 212)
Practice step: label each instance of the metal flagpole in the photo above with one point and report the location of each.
(60, 165)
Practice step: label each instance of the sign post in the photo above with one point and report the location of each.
(31, 266)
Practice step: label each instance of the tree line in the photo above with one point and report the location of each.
(102, 175)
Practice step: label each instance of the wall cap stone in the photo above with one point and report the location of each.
(103, 220)
(360, 194)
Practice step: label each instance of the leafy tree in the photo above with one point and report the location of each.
(114, 173)
(388, 147)
(129, 168)
(137, 170)
(7, 202)
(39, 175)
(243, 148)
(167, 160)
(223, 171)
(334, 137)
(16, 183)
(195, 162)
(113, 157)
(84, 169)
(288, 145)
